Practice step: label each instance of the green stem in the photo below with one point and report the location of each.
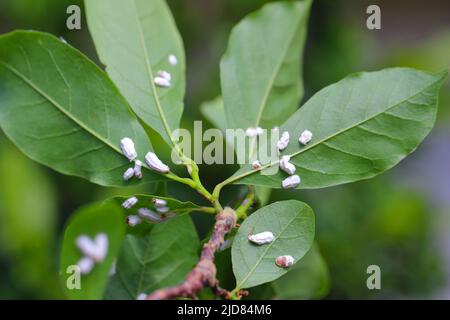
(248, 201)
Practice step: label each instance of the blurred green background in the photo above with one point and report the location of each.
(399, 221)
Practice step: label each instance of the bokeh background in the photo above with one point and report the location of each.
(399, 221)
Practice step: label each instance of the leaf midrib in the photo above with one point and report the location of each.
(313, 145)
(150, 74)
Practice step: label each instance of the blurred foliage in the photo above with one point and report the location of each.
(371, 222)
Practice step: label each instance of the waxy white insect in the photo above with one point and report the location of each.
(155, 164)
(165, 75)
(127, 146)
(261, 238)
(173, 60)
(101, 242)
(283, 141)
(159, 202)
(95, 249)
(130, 202)
(291, 182)
(85, 264)
(149, 215)
(253, 132)
(286, 166)
(284, 261)
(305, 137)
(162, 209)
(133, 220)
(141, 296)
(62, 39)
(162, 82)
(128, 174)
(256, 165)
(138, 169)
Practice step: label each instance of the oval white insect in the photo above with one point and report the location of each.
(164, 74)
(284, 261)
(129, 203)
(155, 164)
(159, 202)
(256, 165)
(85, 264)
(162, 82)
(162, 209)
(251, 132)
(149, 215)
(291, 182)
(283, 141)
(127, 146)
(261, 238)
(133, 220)
(305, 137)
(286, 166)
(138, 169)
(101, 244)
(173, 60)
(128, 174)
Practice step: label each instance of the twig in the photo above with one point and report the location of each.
(204, 273)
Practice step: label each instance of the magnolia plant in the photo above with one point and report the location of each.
(65, 112)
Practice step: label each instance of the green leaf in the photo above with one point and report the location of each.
(308, 279)
(63, 111)
(134, 39)
(361, 125)
(214, 112)
(145, 201)
(260, 71)
(291, 222)
(162, 258)
(90, 221)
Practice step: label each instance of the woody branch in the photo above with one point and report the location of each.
(204, 273)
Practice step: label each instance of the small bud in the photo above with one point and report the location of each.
(173, 60)
(149, 215)
(133, 221)
(162, 209)
(101, 243)
(165, 75)
(259, 131)
(127, 146)
(159, 202)
(162, 82)
(128, 174)
(284, 141)
(138, 169)
(256, 165)
(291, 182)
(261, 238)
(141, 296)
(85, 264)
(155, 164)
(130, 202)
(305, 137)
(286, 166)
(251, 132)
(284, 261)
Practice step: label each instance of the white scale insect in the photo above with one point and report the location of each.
(291, 182)
(94, 251)
(305, 137)
(283, 141)
(155, 164)
(127, 146)
(285, 261)
(286, 166)
(261, 238)
(129, 203)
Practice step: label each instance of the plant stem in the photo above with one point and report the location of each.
(241, 211)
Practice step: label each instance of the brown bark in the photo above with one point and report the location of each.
(204, 273)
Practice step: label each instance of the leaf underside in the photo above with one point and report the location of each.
(63, 111)
(361, 125)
